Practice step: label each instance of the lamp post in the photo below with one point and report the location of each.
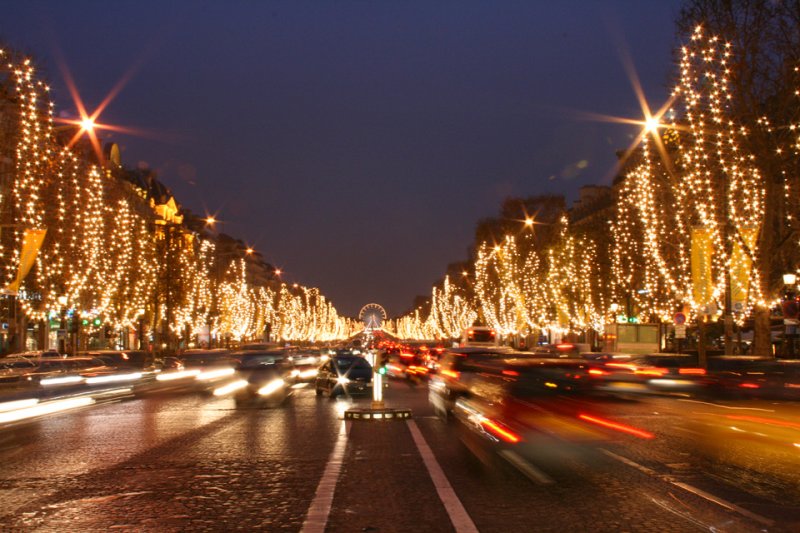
(62, 332)
(790, 311)
(140, 331)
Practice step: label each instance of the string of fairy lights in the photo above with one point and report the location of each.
(102, 262)
(691, 194)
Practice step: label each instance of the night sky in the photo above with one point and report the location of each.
(356, 144)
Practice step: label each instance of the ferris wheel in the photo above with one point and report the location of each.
(372, 315)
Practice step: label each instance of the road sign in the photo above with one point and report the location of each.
(680, 319)
(680, 331)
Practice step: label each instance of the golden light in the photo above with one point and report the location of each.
(211, 220)
(278, 271)
(249, 251)
(651, 125)
(87, 124)
(529, 222)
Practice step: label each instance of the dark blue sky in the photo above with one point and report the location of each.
(356, 144)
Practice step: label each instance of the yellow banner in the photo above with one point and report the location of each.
(741, 265)
(31, 243)
(702, 250)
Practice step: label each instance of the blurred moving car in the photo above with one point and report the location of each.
(126, 359)
(201, 359)
(562, 349)
(267, 377)
(61, 371)
(457, 368)
(344, 374)
(536, 411)
(754, 377)
(661, 373)
(12, 368)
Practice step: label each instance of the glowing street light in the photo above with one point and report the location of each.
(651, 124)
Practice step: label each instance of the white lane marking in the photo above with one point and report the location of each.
(320, 509)
(455, 509)
(530, 471)
(694, 490)
(723, 503)
(730, 406)
(686, 516)
(628, 462)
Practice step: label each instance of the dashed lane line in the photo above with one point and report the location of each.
(320, 509)
(694, 490)
(630, 463)
(723, 503)
(455, 509)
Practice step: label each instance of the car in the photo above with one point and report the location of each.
(214, 358)
(258, 346)
(457, 367)
(561, 349)
(536, 411)
(668, 373)
(754, 377)
(344, 374)
(64, 371)
(12, 368)
(126, 359)
(268, 377)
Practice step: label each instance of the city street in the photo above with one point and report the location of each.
(192, 462)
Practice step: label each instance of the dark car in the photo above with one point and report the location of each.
(754, 377)
(344, 374)
(268, 377)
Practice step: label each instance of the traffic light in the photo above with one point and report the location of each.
(97, 322)
(383, 362)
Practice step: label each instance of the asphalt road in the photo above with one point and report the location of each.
(193, 462)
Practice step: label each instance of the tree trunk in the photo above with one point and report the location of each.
(762, 335)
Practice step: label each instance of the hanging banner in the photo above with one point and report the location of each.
(741, 265)
(31, 243)
(702, 250)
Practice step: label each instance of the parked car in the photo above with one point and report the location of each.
(344, 374)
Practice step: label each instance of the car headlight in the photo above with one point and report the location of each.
(342, 380)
